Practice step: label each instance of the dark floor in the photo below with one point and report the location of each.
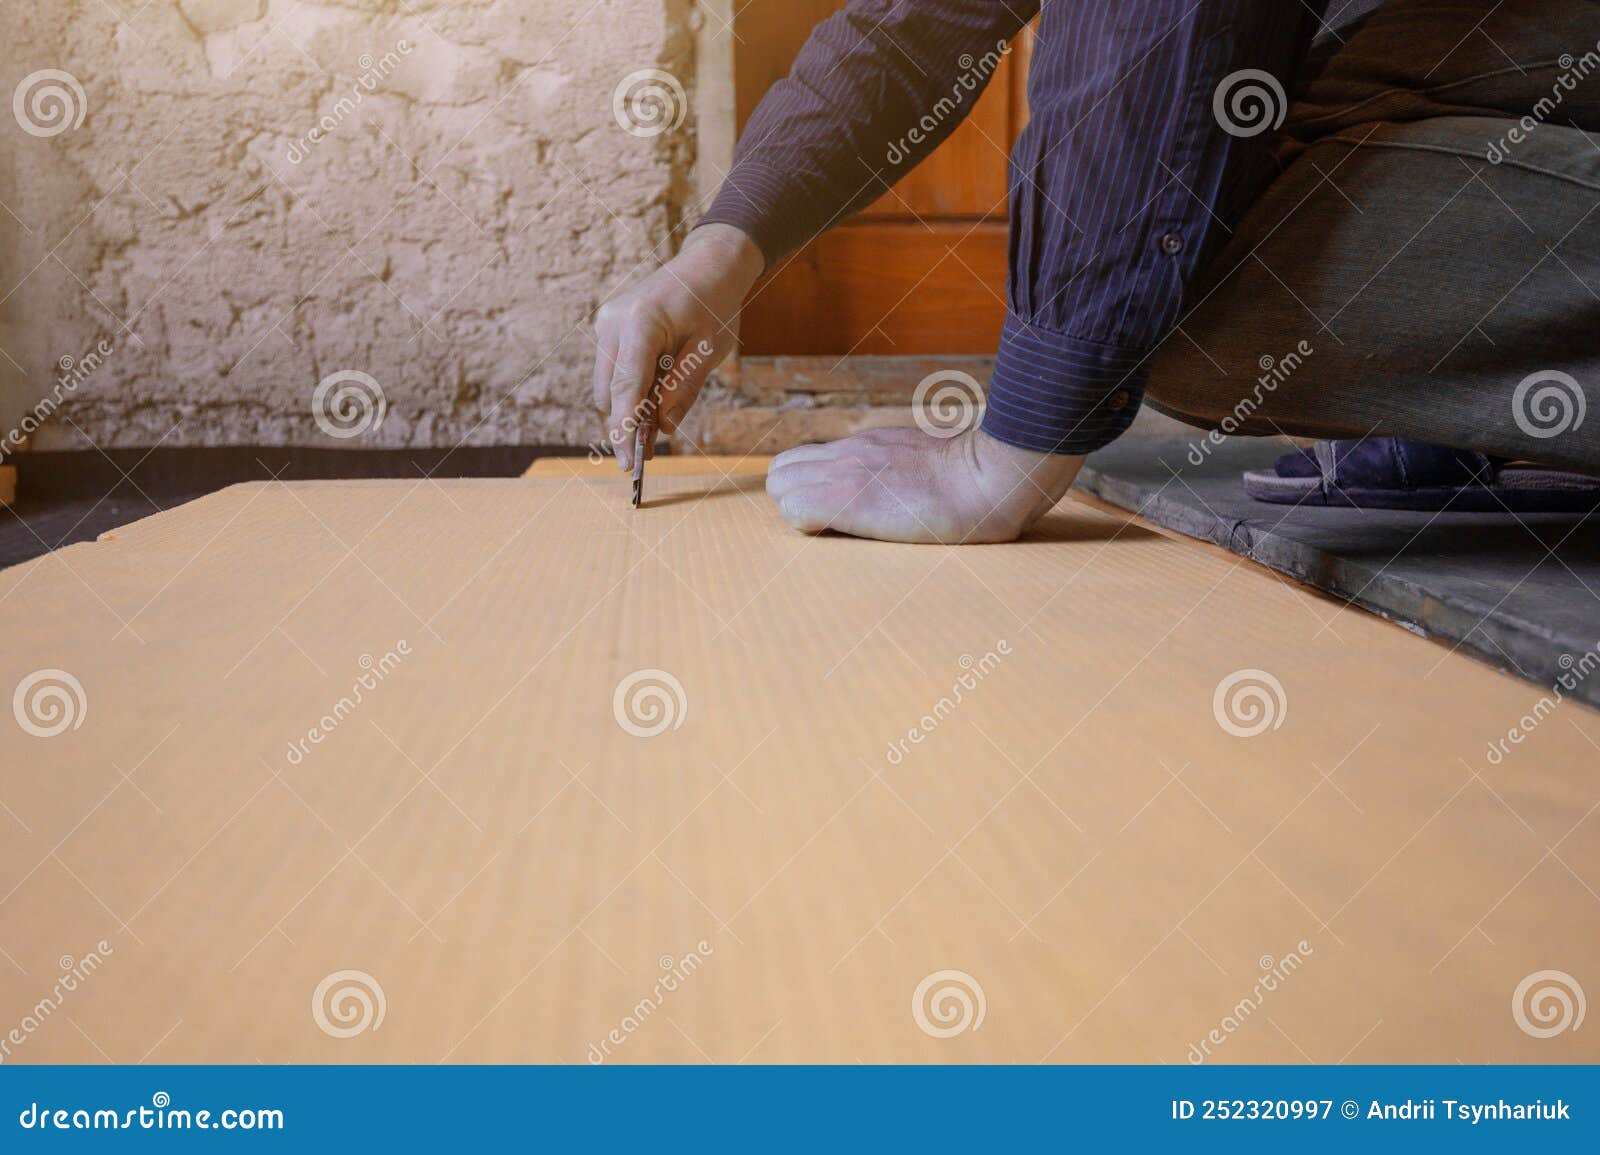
(77, 496)
(1519, 591)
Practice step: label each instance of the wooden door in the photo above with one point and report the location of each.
(922, 271)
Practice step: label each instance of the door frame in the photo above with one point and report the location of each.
(809, 397)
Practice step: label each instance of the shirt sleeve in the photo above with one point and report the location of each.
(1149, 130)
(1148, 134)
(878, 86)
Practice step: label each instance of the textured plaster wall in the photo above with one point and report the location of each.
(450, 235)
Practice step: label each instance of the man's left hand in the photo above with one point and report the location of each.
(911, 486)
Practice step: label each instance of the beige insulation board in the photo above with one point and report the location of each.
(684, 785)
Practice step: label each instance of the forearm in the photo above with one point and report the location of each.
(877, 87)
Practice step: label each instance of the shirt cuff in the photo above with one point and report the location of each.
(754, 200)
(1057, 394)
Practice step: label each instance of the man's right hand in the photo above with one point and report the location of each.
(688, 311)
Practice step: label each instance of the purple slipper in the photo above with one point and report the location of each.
(1392, 473)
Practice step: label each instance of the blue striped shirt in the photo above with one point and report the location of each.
(1148, 134)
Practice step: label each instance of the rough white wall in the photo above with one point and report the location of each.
(472, 199)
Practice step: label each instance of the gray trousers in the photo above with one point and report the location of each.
(1426, 263)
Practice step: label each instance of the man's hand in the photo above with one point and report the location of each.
(907, 485)
(687, 311)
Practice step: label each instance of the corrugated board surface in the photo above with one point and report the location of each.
(998, 776)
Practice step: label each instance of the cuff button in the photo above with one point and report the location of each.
(1172, 244)
(1118, 401)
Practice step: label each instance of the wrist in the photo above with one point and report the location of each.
(1023, 485)
(730, 249)
(1050, 472)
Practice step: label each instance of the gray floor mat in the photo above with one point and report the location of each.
(1519, 591)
